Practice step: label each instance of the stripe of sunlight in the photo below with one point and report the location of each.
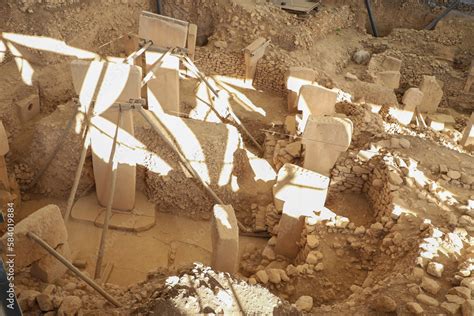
(232, 144)
(240, 98)
(188, 143)
(48, 44)
(24, 67)
(3, 51)
(130, 150)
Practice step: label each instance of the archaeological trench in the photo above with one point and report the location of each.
(237, 157)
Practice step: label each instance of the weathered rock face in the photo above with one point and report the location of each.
(48, 269)
(48, 224)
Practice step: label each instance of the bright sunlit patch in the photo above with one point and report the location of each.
(234, 183)
(241, 99)
(233, 142)
(48, 44)
(3, 51)
(24, 67)
(88, 90)
(188, 144)
(221, 215)
(261, 168)
(225, 298)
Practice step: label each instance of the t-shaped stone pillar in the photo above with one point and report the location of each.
(108, 83)
(225, 239)
(296, 77)
(165, 32)
(317, 101)
(325, 138)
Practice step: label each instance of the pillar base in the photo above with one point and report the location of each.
(141, 218)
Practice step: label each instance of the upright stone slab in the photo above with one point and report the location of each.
(316, 100)
(252, 54)
(165, 32)
(325, 139)
(296, 77)
(467, 139)
(432, 94)
(108, 83)
(298, 193)
(163, 89)
(411, 99)
(389, 79)
(225, 239)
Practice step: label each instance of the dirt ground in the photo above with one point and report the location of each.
(374, 255)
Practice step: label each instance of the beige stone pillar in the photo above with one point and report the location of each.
(325, 138)
(298, 193)
(225, 239)
(105, 84)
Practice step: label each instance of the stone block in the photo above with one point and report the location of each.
(467, 139)
(379, 63)
(389, 79)
(27, 108)
(439, 121)
(316, 100)
(432, 94)
(48, 269)
(325, 139)
(297, 193)
(296, 77)
(225, 239)
(164, 31)
(48, 224)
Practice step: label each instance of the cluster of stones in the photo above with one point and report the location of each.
(427, 276)
(225, 63)
(23, 174)
(281, 151)
(455, 177)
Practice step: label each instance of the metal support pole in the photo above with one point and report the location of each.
(113, 178)
(155, 123)
(192, 67)
(371, 19)
(71, 267)
(150, 73)
(138, 53)
(80, 166)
